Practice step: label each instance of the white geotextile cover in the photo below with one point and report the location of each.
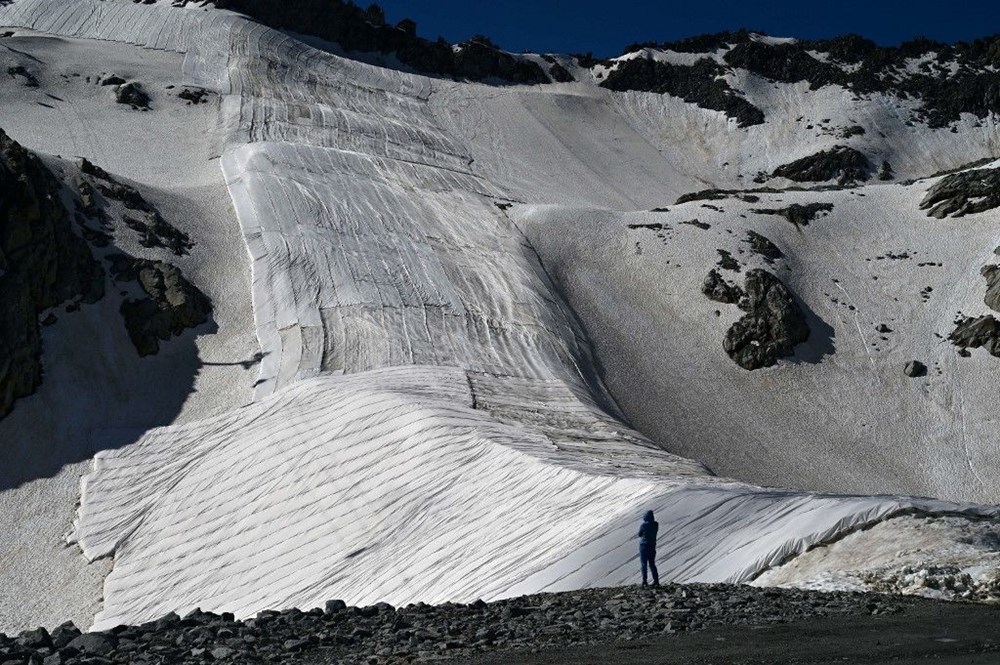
(468, 450)
(389, 486)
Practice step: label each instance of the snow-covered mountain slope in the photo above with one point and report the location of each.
(462, 337)
(879, 292)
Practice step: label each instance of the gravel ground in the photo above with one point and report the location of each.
(943, 633)
(632, 622)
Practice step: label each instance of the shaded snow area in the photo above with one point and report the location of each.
(470, 365)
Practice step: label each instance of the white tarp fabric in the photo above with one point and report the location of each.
(389, 486)
(429, 423)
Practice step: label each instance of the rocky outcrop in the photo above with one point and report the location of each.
(749, 196)
(719, 290)
(975, 332)
(171, 306)
(964, 193)
(772, 326)
(365, 31)
(845, 165)
(727, 261)
(784, 62)
(763, 247)
(43, 263)
(797, 213)
(142, 217)
(952, 79)
(992, 275)
(701, 84)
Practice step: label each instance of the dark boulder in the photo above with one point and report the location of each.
(914, 369)
(64, 634)
(93, 644)
(719, 290)
(845, 165)
(43, 263)
(173, 304)
(34, 639)
(963, 193)
(774, 323)
(132, 95)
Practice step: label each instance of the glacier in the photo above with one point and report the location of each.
(431, 422)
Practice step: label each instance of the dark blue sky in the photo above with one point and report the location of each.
(607, 26)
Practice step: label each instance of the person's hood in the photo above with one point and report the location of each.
(648, 517)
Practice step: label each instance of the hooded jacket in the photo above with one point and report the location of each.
(647, 532)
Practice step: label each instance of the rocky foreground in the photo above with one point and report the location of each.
(419, 633)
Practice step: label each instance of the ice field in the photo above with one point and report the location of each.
(479, 366)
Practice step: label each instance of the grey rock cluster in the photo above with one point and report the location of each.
(964, 193)
(382, 634)
(841, 163)
(171, 306)
(772, 326)
(43, 263)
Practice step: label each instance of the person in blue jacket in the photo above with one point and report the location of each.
(647, 547)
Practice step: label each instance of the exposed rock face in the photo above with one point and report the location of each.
(952, 79)
(914, 369)
(992, 275)
(763, 247)
(719, 290)
(784, 62)
(963, 193)
(772, 326)
(173, 304)
(841, 163)
(976, 332)
(698, 84)
(365, 30)
(42, 263)
(797, 214)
